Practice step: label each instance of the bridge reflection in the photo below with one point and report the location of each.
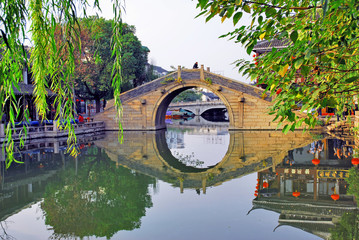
(248, 152)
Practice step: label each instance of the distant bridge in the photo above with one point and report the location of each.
(198, 107)
(199, 121)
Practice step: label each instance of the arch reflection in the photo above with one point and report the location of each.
(248, 152)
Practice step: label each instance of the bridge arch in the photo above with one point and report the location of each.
(159, 111)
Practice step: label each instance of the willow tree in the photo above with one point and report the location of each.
(322, 43)
(48, 61)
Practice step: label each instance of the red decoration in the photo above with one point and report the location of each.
(296, 194)
(82, 100)
(279, 91)
(265, 185)
(77, 100)
(255, 194)
(256, 191)
(315, 161)
(355, 161)
(254, 55)
(257, 187)
(335, 197)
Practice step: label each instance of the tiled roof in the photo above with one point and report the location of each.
(28, 89)
(266, 45)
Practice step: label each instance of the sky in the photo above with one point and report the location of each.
(175, 37)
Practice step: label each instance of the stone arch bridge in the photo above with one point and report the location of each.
(198, 108)
(144, 108)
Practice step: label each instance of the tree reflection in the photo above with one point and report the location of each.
(353, 182)
(347, 228)
(96, 198)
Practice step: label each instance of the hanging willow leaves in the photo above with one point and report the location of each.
(51, 64)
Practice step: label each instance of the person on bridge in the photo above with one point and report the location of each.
(195, 66)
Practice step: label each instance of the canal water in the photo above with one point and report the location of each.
(186, 182)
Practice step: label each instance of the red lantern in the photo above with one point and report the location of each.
(335, 197)
(255, 194)
(355, 161)
(254, 55)
(77, 100)
(315, 161)
(296, 194)
(257, 187)
(279, 91)
(265, 185)
(256, 191)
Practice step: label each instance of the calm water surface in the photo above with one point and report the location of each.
(183, 183)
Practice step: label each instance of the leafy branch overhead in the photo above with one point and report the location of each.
(317, 68)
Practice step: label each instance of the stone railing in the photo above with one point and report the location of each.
(53, 130)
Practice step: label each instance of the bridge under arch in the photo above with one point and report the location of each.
(144, 108)
(198, 107)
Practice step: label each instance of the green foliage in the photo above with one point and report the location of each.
(96, 199)
(167, 80)
(208, 81)
(322, 44)
(353, 182)
(134, 58)
(50, 59)
(187, 96)
(94, 63)
(347, 228)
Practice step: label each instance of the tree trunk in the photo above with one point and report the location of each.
(98, 105)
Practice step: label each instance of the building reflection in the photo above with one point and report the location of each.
(309, 194)
(24, 183)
